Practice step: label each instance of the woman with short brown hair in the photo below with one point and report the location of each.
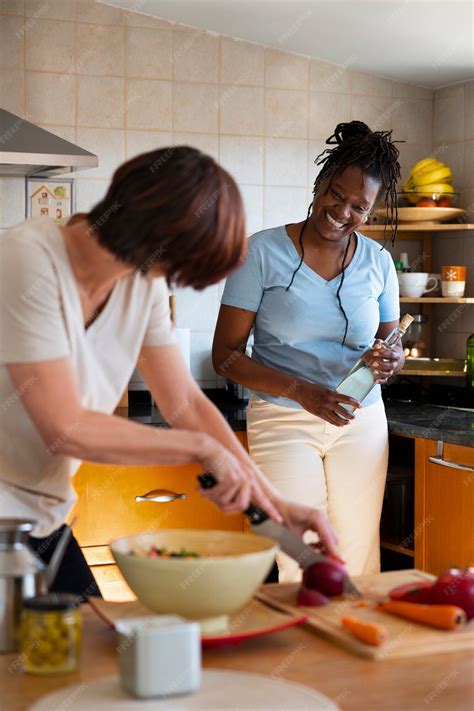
(81, 305)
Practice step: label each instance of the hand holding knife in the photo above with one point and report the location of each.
(289, 542)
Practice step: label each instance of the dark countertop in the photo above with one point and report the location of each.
(438, 422)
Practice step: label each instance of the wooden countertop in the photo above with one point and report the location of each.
(443, 681)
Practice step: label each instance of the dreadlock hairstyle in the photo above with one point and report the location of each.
(376, 155)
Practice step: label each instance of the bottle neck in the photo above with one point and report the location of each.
(394, 337)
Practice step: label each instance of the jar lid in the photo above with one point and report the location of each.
(52, 601)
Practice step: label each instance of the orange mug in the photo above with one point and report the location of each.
(453, 281)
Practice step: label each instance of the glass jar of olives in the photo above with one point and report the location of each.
(50, 634)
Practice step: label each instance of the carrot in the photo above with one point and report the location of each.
(367, 632)
(444, 617)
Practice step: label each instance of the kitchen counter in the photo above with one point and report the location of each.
(297, 654)
(447, 423)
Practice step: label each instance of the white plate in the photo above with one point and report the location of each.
(220, 690)
(425, 214)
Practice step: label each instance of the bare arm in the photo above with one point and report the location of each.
(231, 335)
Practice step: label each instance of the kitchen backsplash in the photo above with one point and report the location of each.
(119, 83)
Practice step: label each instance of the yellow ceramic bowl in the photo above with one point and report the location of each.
(208, 588)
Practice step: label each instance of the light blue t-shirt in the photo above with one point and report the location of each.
(300, 331)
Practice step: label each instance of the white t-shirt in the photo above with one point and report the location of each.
(41, 319)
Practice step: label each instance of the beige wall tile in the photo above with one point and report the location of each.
(149, 53)
(468, 181)
(100, 102)
(49, 34)
(241, 62)
(243, 158)
(195, 56)
(284, 205)
(205, 142)
(109, 146)
(286, 161)
(50, 98)
(252, 196)
(144, 141)
(326, 111)
(285, 71)
(100, 50)
(12, 90)
(241, 110)
(449, 117)
(137, 19)
(413, 120)
(329, 77)
(375, 111)
(89, 192)
(286, 113)
(450, 91)
(12, 201)
(12, 7)
(91, 11)
(469, 110)
(371, 85)
(51, 9)
(148, 104)
(410, 91)
(195, 107)
(314, 149)
(11, 42)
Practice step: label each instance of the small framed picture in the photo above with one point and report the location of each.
(50, 197)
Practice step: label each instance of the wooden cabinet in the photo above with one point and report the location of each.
(106, 509)
(444, 506)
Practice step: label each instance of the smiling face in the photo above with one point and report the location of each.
(342, 203)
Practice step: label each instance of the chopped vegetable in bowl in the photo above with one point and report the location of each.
(155, 552)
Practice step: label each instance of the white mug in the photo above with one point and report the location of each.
(415, 284)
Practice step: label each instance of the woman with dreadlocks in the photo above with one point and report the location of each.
(317, 293)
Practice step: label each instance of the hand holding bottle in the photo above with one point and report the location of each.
(383, 361)
(326, 403)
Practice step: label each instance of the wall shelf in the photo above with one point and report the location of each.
(437, 300)
(422, 227)
(391, 545)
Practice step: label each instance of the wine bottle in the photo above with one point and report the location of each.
(360, 379)
(470, 363)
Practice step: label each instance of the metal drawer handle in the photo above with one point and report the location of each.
(160, 496)
(452, 465)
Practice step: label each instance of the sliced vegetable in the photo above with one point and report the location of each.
(367, 632)
(412, 592)
(310, 598)
(444, 617)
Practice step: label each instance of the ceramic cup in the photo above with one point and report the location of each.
(453, 281)
(415, 284)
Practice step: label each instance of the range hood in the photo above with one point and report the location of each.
(26, 149)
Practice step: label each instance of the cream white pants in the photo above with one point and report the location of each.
(339, 469)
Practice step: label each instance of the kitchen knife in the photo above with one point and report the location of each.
(289, 542)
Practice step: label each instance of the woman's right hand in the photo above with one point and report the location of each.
(325, 403)
(237, 481)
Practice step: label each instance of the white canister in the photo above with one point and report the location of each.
(159, 656)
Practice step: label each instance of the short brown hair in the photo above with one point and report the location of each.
(175, 207)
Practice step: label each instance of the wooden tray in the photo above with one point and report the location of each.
(406, 639)
(254, 620)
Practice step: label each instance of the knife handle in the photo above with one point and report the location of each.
(254, 513)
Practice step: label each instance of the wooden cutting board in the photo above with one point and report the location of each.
(406, 638)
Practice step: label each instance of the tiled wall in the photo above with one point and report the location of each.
(453, 143)
(121, 83)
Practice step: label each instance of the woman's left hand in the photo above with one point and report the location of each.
(300, 518)
(384, 362)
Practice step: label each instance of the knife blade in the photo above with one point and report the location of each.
(289, 542)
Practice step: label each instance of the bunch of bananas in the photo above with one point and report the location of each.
(428, 178)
